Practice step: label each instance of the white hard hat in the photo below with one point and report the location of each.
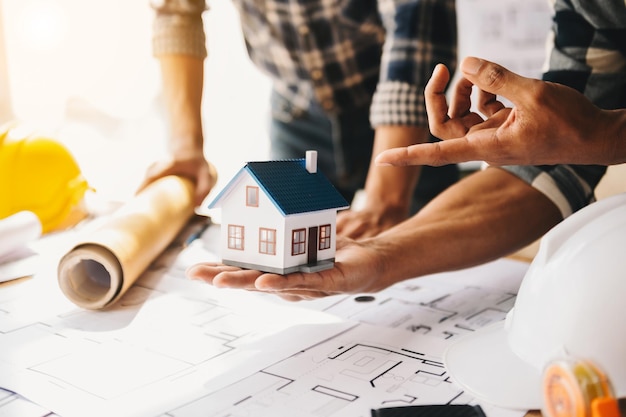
(571, 304)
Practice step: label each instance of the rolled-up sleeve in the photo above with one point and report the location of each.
(419, 35)
(178, 28)
(569, 187)
(587, 54)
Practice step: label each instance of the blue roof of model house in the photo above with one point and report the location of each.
(290, 186)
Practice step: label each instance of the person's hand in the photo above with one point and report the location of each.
(370, 220)
(201, 172)
(359, 267)
(549, 123)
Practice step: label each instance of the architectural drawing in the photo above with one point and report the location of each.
(347, 375)
(174, 347)
(12, 404)
(392, 358)
(150, 352)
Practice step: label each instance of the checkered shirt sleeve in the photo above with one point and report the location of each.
(178, 28)
(419, 35)
(588, 54)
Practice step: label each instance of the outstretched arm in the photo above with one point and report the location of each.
(487, 215)
(548, 124)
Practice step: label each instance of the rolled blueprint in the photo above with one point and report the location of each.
(109, 258)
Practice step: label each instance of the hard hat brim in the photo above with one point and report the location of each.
(484, 365)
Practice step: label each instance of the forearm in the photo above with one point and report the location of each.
(393, 185)
(183, 77)
(484, 217)
(179, 43)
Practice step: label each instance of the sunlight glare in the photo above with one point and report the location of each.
(43, 24)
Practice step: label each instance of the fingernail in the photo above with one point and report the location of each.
(381, 163)
(471, 65)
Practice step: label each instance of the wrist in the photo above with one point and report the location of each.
(189, 147)
(391, 186)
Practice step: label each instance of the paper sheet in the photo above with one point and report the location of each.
(17, 260)
(110, 256)
(174, 347)
(17, 230)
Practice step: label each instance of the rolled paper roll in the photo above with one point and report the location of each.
(109, 258)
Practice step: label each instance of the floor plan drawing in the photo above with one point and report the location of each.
(445, 312)
(343, 376)
(391, 358)
(346, 376)
(443, 305)
(178, 348)
(150, 352)
(12, 404)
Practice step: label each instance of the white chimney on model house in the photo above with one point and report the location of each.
(311, 161)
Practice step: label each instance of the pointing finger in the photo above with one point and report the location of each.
(434, 154)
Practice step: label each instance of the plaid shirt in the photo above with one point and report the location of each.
(343, 54)
(588, 54)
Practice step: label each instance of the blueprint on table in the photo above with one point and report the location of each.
(173, 347)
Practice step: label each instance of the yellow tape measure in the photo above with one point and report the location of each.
(577, 389)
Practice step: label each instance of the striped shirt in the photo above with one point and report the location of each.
(588, 53)
(342, 54)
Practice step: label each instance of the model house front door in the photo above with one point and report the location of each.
(312, 246)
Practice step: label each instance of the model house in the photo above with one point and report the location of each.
(279, 216)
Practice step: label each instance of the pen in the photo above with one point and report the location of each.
(198, 233)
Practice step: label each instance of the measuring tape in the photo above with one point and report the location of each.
(577, 389)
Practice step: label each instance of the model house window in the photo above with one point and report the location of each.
(252, 196)
(267, 241)
(325, 236)
(235, 237)
(298, 241)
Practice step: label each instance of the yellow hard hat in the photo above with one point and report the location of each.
(39, 174)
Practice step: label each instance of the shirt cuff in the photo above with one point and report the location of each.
(568, 190)
(398, 103)
(175, 34)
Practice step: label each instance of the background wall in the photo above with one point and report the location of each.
(512, 33)
(83, 72)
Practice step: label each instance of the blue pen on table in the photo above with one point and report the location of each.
(198, 233)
